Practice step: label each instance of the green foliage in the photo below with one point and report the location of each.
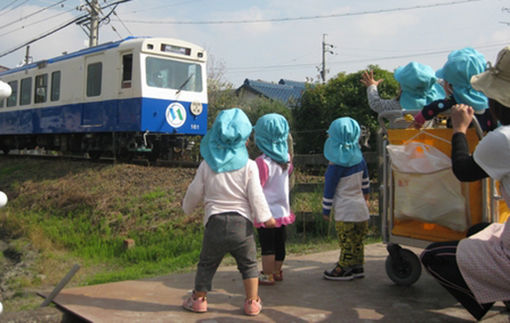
(341, 96)
(261, 106)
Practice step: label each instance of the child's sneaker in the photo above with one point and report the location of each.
(278, 276)
(267, 280)
(358, 272)
(339, 273)
(198, 305)
(252, 307)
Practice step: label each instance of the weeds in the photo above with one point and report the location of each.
(74, 212)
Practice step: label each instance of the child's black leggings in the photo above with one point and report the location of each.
(272, 242)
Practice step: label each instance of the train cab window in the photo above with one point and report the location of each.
(127, 70)
(11, 101)
(55, 86)
(170, 74)
(41, 88)
(25, 91)
(94, 75)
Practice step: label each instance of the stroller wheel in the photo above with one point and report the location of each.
(405, 270)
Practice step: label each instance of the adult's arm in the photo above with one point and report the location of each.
(464, 166)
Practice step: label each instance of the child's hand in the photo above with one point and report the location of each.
(271, 223)
(325, 217)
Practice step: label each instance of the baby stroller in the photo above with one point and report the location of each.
(420, 200)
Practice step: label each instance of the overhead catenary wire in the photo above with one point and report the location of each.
(286, 19)
(75, 20)
(32, 14)
(11, 9)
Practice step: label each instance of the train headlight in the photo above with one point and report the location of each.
(196, 108)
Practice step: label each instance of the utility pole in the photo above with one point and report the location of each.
(94, 23)
(28, 58)
(326, 48)
(91, 24)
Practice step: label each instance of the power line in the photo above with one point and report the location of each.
(15, 7)
(254, 21)
(374, 59)
(32, 14)
(36, 22)
(43, 35)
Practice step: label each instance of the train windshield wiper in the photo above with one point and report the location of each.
(184, 83)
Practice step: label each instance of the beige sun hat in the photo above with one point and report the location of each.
(495, 81)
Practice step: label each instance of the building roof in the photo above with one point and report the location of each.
(286, 91)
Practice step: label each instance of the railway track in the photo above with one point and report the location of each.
(52, 155)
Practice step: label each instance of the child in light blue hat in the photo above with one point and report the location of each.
(275, 167)
(227, 182)
(346, 191)
(456, 74)
(418, 87)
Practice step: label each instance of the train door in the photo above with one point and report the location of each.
(128, 107)
(94, 114)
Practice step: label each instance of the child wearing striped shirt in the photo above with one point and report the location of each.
(346, 191)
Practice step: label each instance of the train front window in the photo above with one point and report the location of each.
(170, 74)
(25, 91)
(11, 101)
(41, 88)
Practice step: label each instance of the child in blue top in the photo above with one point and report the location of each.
(275, 167)
(456, 73)
(346, 190)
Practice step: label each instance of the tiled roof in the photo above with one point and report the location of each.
(288, 92)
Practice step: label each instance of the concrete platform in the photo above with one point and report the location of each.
(303, 296)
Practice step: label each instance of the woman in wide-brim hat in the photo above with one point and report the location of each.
(475, 270)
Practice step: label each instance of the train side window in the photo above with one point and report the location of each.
(127, 70)
(11, 101)
(25, 91)
(94, 75)
(2, 103)
(55, 86)
(41, 88)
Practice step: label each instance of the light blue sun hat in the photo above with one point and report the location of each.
(271, 133)
(342, 146)
(461, 65)
(224, 145)
(419, 86)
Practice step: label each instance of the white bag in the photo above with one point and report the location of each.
(417, 157)
(425, 186)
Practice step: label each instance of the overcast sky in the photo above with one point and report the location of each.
(271, 40)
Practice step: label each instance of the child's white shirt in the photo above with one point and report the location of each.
(236, 191)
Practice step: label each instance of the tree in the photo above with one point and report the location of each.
(341, 96)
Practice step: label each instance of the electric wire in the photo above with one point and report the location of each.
(32, 14)
(287, 19)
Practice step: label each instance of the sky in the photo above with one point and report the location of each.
(271, 40)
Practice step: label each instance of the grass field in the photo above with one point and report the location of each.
(66, 212)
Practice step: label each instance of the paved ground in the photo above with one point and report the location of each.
(303, 296)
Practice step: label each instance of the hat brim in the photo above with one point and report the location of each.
(336, 155)
(492, 87)
(411, 102)
(223, 160)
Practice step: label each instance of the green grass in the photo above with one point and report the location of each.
(82, 213)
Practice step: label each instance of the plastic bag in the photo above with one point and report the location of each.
(425, 186)
(417, 157)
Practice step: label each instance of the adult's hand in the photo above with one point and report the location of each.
(462, 115)
(367, 78)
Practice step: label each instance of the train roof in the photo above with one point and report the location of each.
(81, 52)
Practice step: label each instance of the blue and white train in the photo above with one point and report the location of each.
(133, 95)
